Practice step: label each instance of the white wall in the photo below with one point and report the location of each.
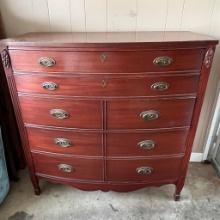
(203, 16)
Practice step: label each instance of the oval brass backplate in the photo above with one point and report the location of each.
(149, 115)
(163, 61)
(59, 113)
(160, 86)
(66, 168)
(146, 144)
(144, 170)
(49, 86)
(63, 142)
(46, 61)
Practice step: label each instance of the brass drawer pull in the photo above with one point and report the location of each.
(144, 170)
(59, 113)
(66, 168)
(163, 61)
(160, 86)
(49, 86)
(46, 61)
(63, 142)
(150, 115)
(146, 145)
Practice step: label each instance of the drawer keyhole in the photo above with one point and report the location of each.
(103, 57)
(104, 83)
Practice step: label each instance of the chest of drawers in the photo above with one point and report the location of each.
(108, 111)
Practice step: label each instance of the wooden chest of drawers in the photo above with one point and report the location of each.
(112, 113)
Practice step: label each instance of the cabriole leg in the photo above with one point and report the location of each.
(35, 183)
(179, 187)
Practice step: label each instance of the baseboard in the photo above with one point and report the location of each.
(196, 157)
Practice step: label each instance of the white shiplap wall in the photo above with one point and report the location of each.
(20, 16)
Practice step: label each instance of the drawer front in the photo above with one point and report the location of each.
(107, 86)
(65, 142)
(160, 113)
(61, 112)
(67, 167)
(106, 61)
(143, 170)
(146, 143)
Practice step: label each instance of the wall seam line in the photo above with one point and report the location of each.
(181, 20)
(48, 13)
(85, 15)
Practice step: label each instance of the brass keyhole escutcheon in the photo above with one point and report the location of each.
(103, 57)
(104, 83)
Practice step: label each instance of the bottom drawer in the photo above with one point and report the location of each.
(68, 167)
(143, 169)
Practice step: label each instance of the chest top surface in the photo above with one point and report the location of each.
(106, 39)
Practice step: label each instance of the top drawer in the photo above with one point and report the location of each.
(107, 62)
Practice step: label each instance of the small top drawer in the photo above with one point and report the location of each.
(107, 61)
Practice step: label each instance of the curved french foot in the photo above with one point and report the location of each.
(177, 197)
(37, 191)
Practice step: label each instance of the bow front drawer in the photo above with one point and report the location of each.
(61, 112)
(149, 143)
(148, 114)
(143, 170)
(107, 86)
(107, 61)
(68, 167)
(65, 141)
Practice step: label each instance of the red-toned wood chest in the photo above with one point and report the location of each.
(105, 110)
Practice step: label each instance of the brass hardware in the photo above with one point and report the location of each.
(49, 86)
(104, 83)
(46, 61)
(144, 170)
(65, 168)
(149, 115)
(146, 144)
(163, 61)
(63, 142)
(59, 113)
(103, 57)
(160, 86)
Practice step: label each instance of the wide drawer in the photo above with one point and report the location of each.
(149, 143)
(68, 167)
(61, 112)
(107, 61)
(65, 142)
(148, 170)
(107, 86)
(149, 113)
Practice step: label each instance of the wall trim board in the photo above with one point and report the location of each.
(196, 157)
